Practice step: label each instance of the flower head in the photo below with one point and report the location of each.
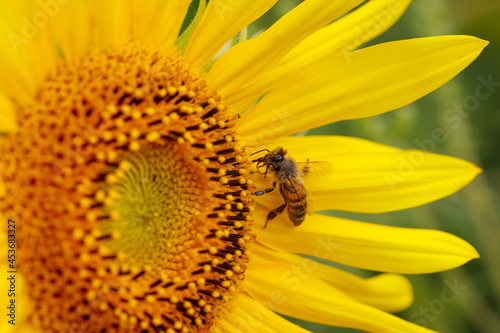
(126, 166)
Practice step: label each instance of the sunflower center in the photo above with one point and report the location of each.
(130, 190)
(155, 193)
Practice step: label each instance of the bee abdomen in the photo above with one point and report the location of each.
(297, 216)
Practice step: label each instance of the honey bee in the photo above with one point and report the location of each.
(287, 174)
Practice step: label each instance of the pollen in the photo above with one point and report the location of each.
(131, 192)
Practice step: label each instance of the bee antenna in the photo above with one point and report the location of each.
(260, 151)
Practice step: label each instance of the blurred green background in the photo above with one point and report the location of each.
(473, 213)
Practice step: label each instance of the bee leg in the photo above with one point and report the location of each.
(267, 190)
(275, 212)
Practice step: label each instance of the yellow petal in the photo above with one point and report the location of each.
(367, 177)
(388, 292)
(249, 315)
(110, 23)
(8, 121)
(28, 48)
(367, 82)
(71, 26)
(286, 292)
(158, 22)
(221, 21)
(334, 40)
(244, 63)
(365, 245)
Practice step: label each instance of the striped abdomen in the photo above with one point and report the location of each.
(296, 197)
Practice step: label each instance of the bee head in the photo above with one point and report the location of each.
(276, 157)
(273, 159)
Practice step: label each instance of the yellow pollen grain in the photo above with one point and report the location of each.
(77, 141)
(84, 257)
(153, 136)
(203, 126)
(104, 306)
(230, 197)
(150, 111)
(126, 109)
(165, 120)
(112, 109)
(136, 114)
(135, 133)
(174, 116)
(172, 90)
(183, 90)
(191, 94)
(162, 92)
(78, 234)
(93, 139)
(156, 321)
(119, 122)
(112, 156)
(209, 146)
(111, 178)
(207, 268)
(90, 295)
(83, 273)
(121, 139)
(225, 284)
(139, 93)
(134, 146)
(100, 156)
(91, 216)
(207, 308)
(107, 136)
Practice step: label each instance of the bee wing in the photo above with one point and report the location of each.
(315, 168)
(297, 184)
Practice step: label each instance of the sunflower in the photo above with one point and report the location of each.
(127, 185)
